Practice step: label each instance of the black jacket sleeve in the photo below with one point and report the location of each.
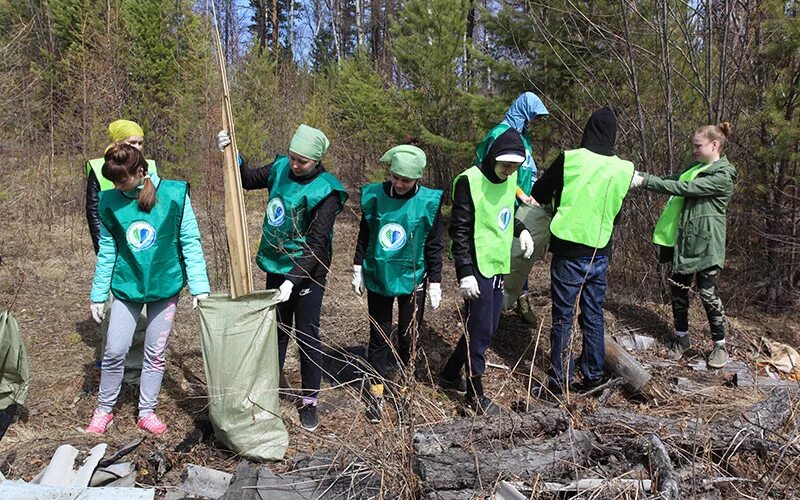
(254, 178)
(551, 183)
(462, 223)
(92, 215)
(361, 242)
(434, 246)
(318, 240)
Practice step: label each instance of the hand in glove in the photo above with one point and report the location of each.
(223, 140)
(637, 181)
(286, 291)
(358, 281)
(469, 288)
(435, 294)
(526, 243)
(198, 298)
(98, 311)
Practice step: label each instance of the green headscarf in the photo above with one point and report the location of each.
(309, 142)
(406, 160)
(122, 129)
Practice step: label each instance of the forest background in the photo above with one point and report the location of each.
(375, 73)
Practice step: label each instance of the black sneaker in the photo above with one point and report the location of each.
(308, 417)
(483, 406)
(458, 385)
(586, 385)
(374, 410)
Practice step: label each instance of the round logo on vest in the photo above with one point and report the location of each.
(141, 235)
(276, 213)
(504, 218)
(392, 237)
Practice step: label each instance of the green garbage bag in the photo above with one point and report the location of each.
(537, 221)
(133, 361)
(240, 355)
(14, 364)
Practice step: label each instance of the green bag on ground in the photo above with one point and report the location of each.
(133, 361)
(240, 355)
(14, 364)
(537, 221)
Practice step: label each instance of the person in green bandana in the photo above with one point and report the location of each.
(691, 234)
(296, 247)
(398, 255)
(149, 251)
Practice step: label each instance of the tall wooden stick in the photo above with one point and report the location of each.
(240, 269)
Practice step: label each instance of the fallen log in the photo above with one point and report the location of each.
(622, 364)
(668, 483)
(469, 467)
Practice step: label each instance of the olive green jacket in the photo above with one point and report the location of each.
(701, 232)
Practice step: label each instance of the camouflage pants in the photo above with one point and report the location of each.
(707, 289)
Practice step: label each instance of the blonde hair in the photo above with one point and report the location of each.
(716, 132)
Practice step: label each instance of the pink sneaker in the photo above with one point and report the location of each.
(100, 422)
(152, 423)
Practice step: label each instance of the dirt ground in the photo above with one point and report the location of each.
(46, 268)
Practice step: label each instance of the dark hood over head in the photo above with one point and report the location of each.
(509, 142)
(600, 133)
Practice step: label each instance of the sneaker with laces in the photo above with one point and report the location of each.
(374, 411)
(100, 422)
(679, 346)
(152, 423)
(718, 357)
(308, 417)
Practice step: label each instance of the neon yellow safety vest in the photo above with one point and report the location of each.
(494, 218)
(666, 231)
(96, 166)
(594, 188)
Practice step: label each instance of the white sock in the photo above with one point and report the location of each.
(681, 334)
(719, 343)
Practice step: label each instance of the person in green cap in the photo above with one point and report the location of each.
(398, 255)
(296, 247)
(691, 234)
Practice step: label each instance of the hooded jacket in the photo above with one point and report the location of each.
(599, 136)
(462, 218)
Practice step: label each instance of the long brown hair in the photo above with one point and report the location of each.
(124, 161)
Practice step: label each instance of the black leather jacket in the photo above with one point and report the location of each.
(92, 216)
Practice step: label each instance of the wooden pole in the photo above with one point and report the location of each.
(240, 269)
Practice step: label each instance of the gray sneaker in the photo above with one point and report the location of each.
(718, 357)
(679, 346)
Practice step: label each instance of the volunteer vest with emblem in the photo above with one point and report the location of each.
(96, 166)
(525, 171)
(289, 208)
(394, 263)
(666, 231)
(594, 189)
(494, 220)
(149, 265)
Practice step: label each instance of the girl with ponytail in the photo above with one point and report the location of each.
(149, 250)
(691, 234)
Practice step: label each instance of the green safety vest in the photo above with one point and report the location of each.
(96, 166)
(594, 189)
(666, 231)
(394, 263)
(149, 265)
(525, 171)
(283, 234)
(494, 219)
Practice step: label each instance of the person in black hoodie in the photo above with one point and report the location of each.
(586, 187)
(483, 211)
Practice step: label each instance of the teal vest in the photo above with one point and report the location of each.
(289, 208)
(394, 263)
(149, 264)
(594, 188)
(96, 166)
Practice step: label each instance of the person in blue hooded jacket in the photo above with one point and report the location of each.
(526, 108)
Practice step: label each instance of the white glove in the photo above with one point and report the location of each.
(223, 140)
(198, 298)
(469, 288)
(526, 243)
(358, 281)
(98, 311)
(637, 181)
(286, 291)
(435, 294)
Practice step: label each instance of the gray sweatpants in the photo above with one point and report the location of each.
(121, 326)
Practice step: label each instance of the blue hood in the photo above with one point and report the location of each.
(527, 107)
